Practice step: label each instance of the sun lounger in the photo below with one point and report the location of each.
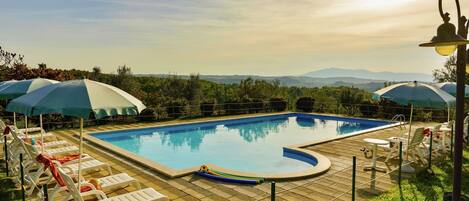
(52, 144)
(107, 183)
(30, 130)
(147, 194)
(414, 148)
(36, 173)
(33, 133)
(22, 130)
(89, 165)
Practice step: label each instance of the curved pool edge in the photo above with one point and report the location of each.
(323, 163)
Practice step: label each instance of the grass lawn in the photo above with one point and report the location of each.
(8, 190)
(425, 187)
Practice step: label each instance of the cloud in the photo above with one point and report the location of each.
(225, 36)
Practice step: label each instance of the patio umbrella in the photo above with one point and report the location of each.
(3, 85)
(450, 87)
(18, 88)
(78, 98)
(415, 94)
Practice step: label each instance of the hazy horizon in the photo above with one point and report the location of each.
(221, 37)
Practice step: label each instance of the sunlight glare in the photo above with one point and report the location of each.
(380, 4)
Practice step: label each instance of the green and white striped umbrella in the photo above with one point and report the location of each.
(19, 88)
(416, 94)
(13, 88)
(5, 84)
(450, 87)
(78, 98)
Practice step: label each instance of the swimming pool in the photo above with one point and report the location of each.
(254, 145)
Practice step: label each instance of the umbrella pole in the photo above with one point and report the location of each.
(26, 125)
(81, 151)
(14, 119)
(449, 112)
(410, 128)
(407, 167)
(42, 136)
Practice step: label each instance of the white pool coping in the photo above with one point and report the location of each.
(323, 163)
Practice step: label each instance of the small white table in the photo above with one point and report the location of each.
(375, 143)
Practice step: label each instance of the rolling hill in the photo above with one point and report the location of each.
(366, 74)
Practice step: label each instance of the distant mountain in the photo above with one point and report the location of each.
(299, 81)
(366, 74)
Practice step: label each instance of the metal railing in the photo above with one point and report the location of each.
(52, 122)
(336, 181)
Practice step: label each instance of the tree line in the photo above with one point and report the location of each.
(175, 97)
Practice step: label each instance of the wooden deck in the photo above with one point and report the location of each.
(335, 184)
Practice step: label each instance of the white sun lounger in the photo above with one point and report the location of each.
(35, 150)
(87, 166)
(107, 183)
(147, 194)
(52, 144)
(30, 130)
(61, 150)
(36, 174)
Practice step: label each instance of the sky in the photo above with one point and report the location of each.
(262, 37)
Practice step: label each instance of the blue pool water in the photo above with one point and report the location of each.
(249, 144)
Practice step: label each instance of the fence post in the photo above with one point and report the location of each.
(22, 177)
(430, 154)
(400, 164)
(354, 169)
(46, 195)
(272, 191)
(451, 141)
(6, 154)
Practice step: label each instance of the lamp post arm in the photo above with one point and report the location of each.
(467, 27)
(444, 16)
(458, 8)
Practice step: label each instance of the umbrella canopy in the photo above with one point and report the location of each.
(78, 98)
(5, 84)
(450, 87)
(19, 88)
(416, 94)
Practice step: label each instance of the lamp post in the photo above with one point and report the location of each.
(446, 42)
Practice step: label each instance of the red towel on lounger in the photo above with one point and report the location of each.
(47, 162)
(7, 130)
(427, 132)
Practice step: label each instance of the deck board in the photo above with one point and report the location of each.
(335, 182)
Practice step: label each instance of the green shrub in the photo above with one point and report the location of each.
(160, 112)
(256, 105)
(369, 109)
(176, 108)
(207, 108)
(305, 104)
(148, 114)
(387, 109)
(277, 104)
(235, 107)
